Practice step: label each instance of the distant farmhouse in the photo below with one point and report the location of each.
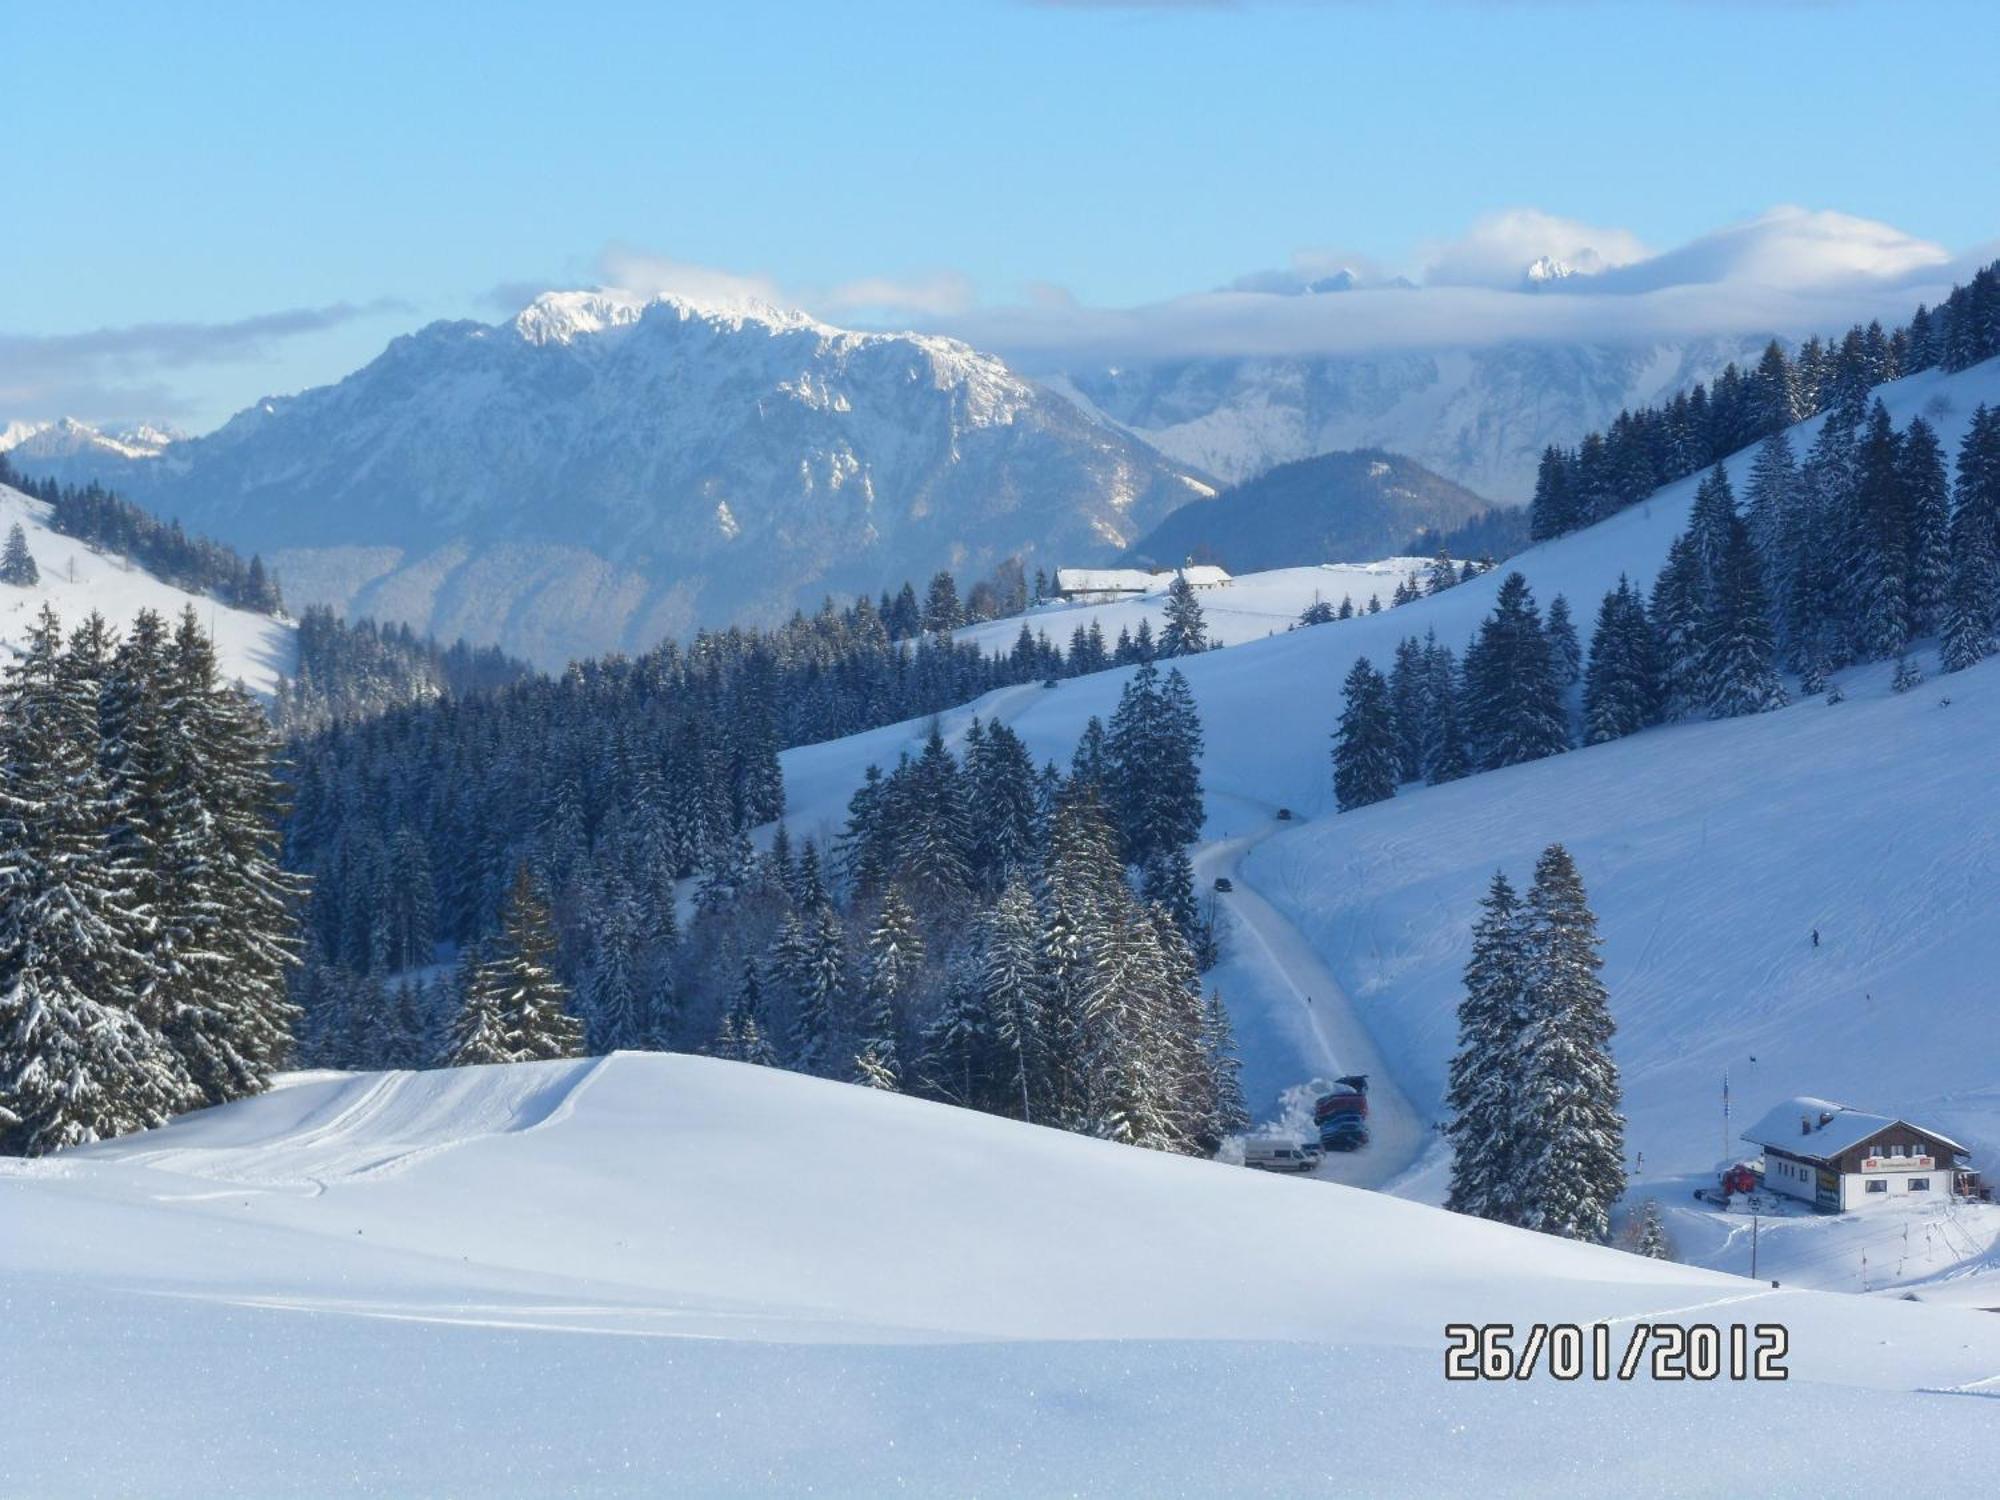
(1838, 1159)
(1107, 585)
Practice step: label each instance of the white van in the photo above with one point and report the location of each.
(1278, 1156)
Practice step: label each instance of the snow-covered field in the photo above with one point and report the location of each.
(649, 1275)
(77, 579)
(1247, 608)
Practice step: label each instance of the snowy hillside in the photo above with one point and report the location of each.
(1711, 851)
(1248, 608)
(605, 471)
(76, 579)
(667, 1275)
(1480, 416)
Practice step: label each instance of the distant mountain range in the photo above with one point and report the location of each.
(1478, 416)
(1336, 507)
(604, 470)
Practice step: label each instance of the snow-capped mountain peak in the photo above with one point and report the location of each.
(610, 467)
(67, 438)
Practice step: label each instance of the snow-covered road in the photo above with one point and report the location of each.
(1284, 1000)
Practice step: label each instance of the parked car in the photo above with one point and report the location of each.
(1048, 682)
(1284, 815)
(1277, 1156)
(1224, 884)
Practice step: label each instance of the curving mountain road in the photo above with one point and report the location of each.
(1279, 987)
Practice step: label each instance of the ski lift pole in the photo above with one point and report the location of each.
(1725, 1112)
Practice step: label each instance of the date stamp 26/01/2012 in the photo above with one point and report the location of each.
(1579, 1351)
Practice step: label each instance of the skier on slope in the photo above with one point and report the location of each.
(1815, 937)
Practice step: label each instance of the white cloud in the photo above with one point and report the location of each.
(1499, 248)
(1789, 247)
(1790, 271)
(658, 275)
(933, 294)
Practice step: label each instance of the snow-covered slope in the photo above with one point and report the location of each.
(1480, 416)
(663, 1275)
(604, 471)
(1711, 851)
(77, 579)
(1248, 608)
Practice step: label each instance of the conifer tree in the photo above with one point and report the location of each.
(1010, 980)
(515, 1009)
(1879, 551)
(17, 563)
(225, 901)
(75, 1065)
(1485, 1069)
(1514, 704)
(1621, 690)
(1738, 672)
(1570, 1133)
(1564, 647)
(1650, 1237)
(1679, 594)
(1927, 501)
(1185, 632)
(1366, 765)
(1771, 502)
(1225, 1070)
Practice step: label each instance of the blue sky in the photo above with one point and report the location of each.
(345, 173)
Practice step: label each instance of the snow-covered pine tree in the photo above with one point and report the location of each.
(1771, 502)
(613, 1012)
(1679, 598)
(1739, 673)
(74, 1067)
(1366, 764)
(1001, 782)
(1878, 544)
(1908, 675)
(1569, 1131)
(17, 563)
(1011, 987)
(1409, 705)
(1621, 689)
(1709, 521)
(892, 964)
(1081, 887)
(933, 847)
(1649, 1237)
(1443, 573)
(1564, 646)
(820, 1020)
(1927, 500)
(1514, 705)
(956, 1060)
(1484, 1072)
(1185, 632)
(1225, 1070)
(224, 899)
(515, 1009)
(1168, 883)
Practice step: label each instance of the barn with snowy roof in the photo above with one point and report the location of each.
(1838, 1159)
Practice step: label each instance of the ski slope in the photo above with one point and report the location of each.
(1249, 607)
(1710, 851)
(76, 578)
(646, 1275)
